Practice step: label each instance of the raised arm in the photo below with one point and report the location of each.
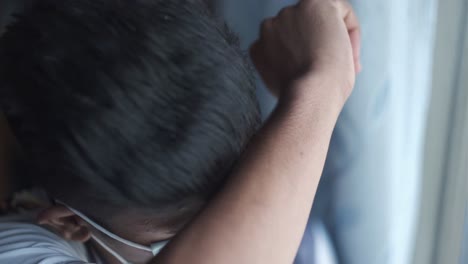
(308, 55)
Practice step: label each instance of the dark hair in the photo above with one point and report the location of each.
(141, 103)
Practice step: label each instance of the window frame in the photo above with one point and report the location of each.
(445, 184)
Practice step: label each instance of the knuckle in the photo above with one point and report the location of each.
(266, 27)
(340, 5)
(285, 11)
(266, 24)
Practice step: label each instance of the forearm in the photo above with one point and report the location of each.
(260, 215)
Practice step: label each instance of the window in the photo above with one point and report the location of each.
(464, 257)
(445, 187)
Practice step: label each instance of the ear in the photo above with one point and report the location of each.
(65, 222)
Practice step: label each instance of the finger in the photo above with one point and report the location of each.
(355, 38)
(265, 27)
(354, 30)
(258, 59)
(286, 11)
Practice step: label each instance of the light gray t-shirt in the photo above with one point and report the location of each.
(23, 242)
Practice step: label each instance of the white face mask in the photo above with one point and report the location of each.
(154, 248)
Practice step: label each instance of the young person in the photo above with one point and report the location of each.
(130, 115)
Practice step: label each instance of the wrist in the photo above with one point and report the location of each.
(315, 90)
(312, 103)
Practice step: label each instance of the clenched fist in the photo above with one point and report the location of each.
(312, 39)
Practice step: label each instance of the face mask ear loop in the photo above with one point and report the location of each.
(103, 230)
(111, 251)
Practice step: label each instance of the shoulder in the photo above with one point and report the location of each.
(27, 243)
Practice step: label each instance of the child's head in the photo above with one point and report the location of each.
(125, 107)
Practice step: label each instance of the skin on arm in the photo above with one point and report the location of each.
(308, 56)
(261, 215)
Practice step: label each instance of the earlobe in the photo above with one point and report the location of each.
(65, 223)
